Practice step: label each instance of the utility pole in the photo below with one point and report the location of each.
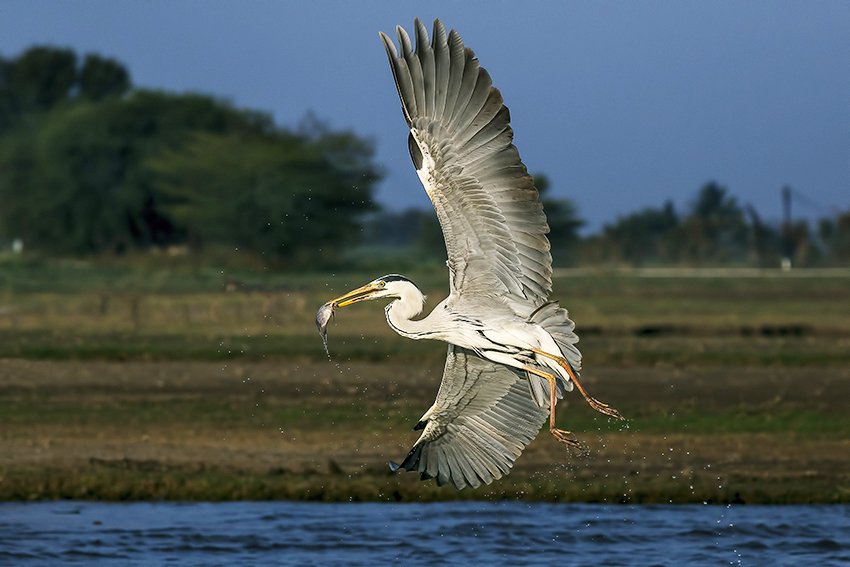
(787, 229)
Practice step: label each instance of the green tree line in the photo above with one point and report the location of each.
(714, 230)
(90, 165)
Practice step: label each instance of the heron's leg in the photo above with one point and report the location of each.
(594, 403)
(559, 434)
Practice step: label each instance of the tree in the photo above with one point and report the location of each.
(102, 77)
(637, 238)
(564, 222)
(7, 99)
(391, 229)
(278, 194)
(81, 177)
(63, 182)
(834, 235)
(430, 242)
(71, 182)
(644, 235)
(42, 77)
(39, 79)
(765, 241)
(716, 229)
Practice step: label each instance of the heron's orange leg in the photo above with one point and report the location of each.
(559, 434)
(594, 403)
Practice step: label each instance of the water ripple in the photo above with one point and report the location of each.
(458, 533)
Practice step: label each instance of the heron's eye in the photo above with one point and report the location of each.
(381, 284)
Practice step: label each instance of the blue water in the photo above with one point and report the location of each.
(457, 533)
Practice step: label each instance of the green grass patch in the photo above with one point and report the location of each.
(178, 275)
(598, 351)
(128, 480)
(253, 410)
(802, 423)
(126, 346)
(248, 412)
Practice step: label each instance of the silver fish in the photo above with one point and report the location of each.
(323, 316)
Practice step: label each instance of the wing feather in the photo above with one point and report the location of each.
(471, 117)
(417, 78)
(425, 54)
(442, 56)
(469, 79)
(401, 75)
(404, 43)
(457, 59)
(481, 421)
(462, 147)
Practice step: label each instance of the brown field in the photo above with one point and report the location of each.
(734, 389)
(201, 430)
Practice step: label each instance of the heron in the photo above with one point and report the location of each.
(511, 351)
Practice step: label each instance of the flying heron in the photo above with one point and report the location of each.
(512, 352)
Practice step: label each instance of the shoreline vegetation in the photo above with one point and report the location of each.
(162, 386)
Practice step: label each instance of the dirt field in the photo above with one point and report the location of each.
(125, 384)
(309, 430)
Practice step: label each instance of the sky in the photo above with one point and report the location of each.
(623, 105)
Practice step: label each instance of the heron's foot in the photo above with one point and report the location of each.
(594, 403)
(600, 407)
(564, 437)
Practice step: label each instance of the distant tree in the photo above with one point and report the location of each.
(826, 231)
(102, 77)
(277, 194)
(716, 229)
(74, 182)
(805, 252)
(391, 228)
(638, 238)
(430, 242)
(765, 241)
(42, 77)
(564, 222)
(415, 231)
(834, 235)
(36, 81)
(647, 235)
(8, 114)
(841, 246)
(67, 182)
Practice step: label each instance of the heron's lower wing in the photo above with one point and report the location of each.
(483, 418)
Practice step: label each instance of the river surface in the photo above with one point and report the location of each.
(455, 533)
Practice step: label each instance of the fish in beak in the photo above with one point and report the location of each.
(327, 310)
(323, 317)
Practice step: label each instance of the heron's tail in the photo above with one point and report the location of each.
(555, 321)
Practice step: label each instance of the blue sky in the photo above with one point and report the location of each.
(623, 105)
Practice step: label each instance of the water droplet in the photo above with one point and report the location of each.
(325, 342)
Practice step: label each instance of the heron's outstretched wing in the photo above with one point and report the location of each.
(461, 144)
(481, 421)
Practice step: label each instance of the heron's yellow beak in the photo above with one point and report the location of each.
(359, 294)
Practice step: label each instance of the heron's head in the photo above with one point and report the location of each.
(393, 286)
(409, 298)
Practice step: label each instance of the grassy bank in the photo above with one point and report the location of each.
(118, 385)
(185, 314)
(201, 430)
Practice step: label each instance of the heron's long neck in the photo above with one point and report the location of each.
(400, 314)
